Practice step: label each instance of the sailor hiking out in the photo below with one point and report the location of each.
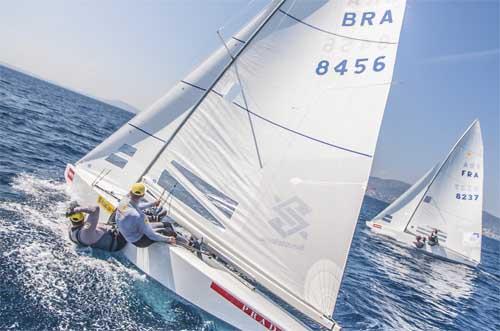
(87, 232)
(419, 242)
(133, 223)
(433, 238)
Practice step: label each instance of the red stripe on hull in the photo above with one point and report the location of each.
(244, 308)
(71, 174)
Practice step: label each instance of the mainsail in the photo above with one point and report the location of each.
(121, 159)
(453, 201)
(274, 158)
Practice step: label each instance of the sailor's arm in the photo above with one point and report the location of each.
(147, 205)
(87, 210)
(151, 234)
(92, 219)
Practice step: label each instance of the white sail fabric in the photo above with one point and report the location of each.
(275, 160)
(453, 203)
(122, 158)
(398, 213)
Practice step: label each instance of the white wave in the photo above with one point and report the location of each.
(57, 275)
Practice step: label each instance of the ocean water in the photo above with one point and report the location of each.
(48, 284)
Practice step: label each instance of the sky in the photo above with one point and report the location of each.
(447, 72)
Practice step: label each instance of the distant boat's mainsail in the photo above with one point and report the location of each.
(270, 155)
(448, 198)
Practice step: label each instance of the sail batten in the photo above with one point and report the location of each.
(144, 131)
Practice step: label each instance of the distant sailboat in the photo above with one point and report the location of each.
(265, 150)
(448, 198)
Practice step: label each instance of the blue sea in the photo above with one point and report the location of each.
(48, 284)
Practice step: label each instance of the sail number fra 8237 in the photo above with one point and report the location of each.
(359, 65)
(462, 196)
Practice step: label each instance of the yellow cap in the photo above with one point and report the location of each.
(76, 217)
(138, 189)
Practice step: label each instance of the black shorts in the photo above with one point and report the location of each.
(144, 242)
(166, 229)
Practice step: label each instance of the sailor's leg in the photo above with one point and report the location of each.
(164, 228)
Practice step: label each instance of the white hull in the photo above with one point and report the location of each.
(408, 239)
(210, 287)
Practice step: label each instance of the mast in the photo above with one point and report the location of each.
(438, 172)
(209, 89)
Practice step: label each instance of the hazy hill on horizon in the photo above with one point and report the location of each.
(115, 103)
(388, 190)
(122, 105)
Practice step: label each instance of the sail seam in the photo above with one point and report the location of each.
(300, 133)
(144, 131)
(335, 34)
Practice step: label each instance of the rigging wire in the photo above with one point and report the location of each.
(240, 84)
(233, 18)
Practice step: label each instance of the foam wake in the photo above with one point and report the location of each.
(73, 288)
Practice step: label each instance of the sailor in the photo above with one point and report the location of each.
(132, 222)
(433, 238)
(418, 243)
(87, 232)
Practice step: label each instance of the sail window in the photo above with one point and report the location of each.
(127, 150)
(171, 185)
(220, 200)
(116, 160)
(233, 92)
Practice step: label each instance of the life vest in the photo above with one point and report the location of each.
(110, 241)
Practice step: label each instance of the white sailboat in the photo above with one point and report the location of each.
(265, 149)
(449, 198)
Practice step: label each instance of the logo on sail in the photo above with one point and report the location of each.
(290, 219)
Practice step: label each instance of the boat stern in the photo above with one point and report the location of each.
(69, 174)
(81, 189)
(374, 225)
